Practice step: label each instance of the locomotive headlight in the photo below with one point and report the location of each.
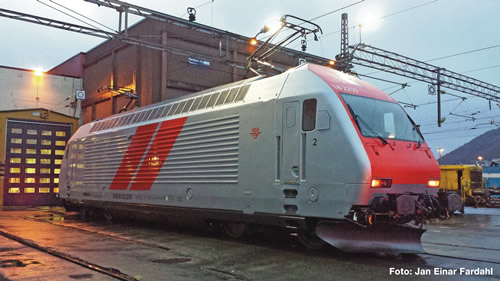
(381, 183)
(433, 183)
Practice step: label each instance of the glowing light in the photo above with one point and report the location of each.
(433, 183)
(370, 19)
(272, 26)
(331, 62)
(381, 183)
(253, 41)
(38, 72)
(480, 158)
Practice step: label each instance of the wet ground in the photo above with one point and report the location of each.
(49, 244)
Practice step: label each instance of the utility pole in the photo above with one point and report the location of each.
(438, 83)
(343, 60)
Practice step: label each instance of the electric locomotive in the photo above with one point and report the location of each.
(313, 150)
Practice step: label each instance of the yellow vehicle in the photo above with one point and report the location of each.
(466, 180)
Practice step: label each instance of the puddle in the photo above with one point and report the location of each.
(6, 249)
(12, 263)
(81, 276)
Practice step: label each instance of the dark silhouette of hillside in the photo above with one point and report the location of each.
(486, 145)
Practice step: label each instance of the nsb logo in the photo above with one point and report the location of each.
(255, 133)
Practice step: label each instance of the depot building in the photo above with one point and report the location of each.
(40, 118)
(32, 150)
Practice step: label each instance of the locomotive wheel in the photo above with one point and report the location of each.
(310, 240)
(235, 230)
(84, 214)
(107, 216)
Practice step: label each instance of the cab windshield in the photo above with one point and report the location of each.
(381, 119)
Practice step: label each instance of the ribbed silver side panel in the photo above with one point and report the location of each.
(103, 155)
(204, 152)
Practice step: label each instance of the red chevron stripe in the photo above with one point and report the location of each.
(158, 152)
(133, 156)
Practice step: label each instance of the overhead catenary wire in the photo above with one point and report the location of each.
(69, 15)
(83, 16)
(483, 126)
(453, 137)
(323, 15)
(340, 9)
(388, 15)
(206, 3)
(464, 53)
(482, 68)
(455, 55)
(427, 122)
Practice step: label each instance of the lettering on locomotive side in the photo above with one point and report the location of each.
(345, 88)
(122, 196)
(147, 197)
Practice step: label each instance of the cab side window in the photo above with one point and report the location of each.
(309, 115)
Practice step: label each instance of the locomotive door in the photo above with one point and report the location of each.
(291, 142)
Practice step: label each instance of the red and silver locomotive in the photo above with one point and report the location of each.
(312, 149)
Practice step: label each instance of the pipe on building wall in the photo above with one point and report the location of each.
(164, 93)
(114, 81)
(235, 70)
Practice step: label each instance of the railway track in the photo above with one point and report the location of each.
(461, 258)
(106, 234)
(221, 260)
(40, 218)
(112, 272)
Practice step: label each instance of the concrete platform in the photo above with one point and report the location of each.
(137, 251)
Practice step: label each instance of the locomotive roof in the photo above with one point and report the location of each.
(235, 93)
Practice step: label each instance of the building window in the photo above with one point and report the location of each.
(57, 171)
(29, 190)
(46, 133)
(32, 132)
(59, 152)
(15, 160)
(14, 180)
(15, 170)
(30, 170)
(45, 161)
(31, 141)
(60, 134)
(309, 115)
(56, 189)
(44, 190)
(57, 161)
(14, 190)
(56, 180)
(46, 142)
(30, 150)
(46, 151)
(61, 143)
(16, 131)
(30, 160)
(44, 171)
(29, 180)
(44, 180)
(16, 140)
(15, 150)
